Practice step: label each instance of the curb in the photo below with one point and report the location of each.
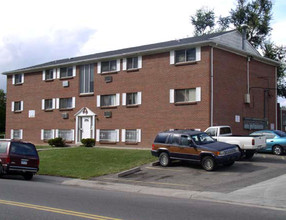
(128, 172)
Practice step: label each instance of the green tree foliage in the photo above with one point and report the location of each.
(2, 110)
(204, 21)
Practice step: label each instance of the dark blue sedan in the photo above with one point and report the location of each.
(275, 141)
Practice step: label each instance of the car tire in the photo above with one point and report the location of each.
(208, 163)
(1, 170)
(28, 176)
(164, 159)
(277, 150)
(249, 154)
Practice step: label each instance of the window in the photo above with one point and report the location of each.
(47, 134)
(87, 78)
(132, 63)
(108, 66)
(185, 55)
(131, 135)
(185, 95)
(65, 103)
(17, 134)
(48, 74)
(67, 135)
(18, 79)
(108, 100)
(3, 147)
(66, 72)
(25, 149)
(48, 104)
(17, 106)
(133, 98)
(161, 138)
(107, 135)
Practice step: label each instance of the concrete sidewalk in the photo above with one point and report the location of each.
(269, 194)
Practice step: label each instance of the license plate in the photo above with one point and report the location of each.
(24, 162)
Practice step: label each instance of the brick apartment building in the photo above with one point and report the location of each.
(126, 96)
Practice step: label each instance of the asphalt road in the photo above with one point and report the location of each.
(46, 198)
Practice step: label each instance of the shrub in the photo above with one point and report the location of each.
(88, 142)
(57, 142)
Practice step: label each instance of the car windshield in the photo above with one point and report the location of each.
(202, 138)
(23, 149)
(280, 133)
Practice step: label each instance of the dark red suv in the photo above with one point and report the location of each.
(18, 157)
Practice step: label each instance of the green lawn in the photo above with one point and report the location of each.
(43, 147)
(85, 162)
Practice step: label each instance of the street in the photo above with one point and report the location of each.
(46, 198)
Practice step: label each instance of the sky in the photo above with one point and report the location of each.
(38, 31)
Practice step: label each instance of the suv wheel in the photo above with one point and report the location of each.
(208, 163)
(277, 150)
(28, 176)
(164, 159)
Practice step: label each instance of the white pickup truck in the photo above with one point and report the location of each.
(248, 145)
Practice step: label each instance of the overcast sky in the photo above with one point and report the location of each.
(37, 31)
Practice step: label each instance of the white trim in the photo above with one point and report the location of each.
(198, 94)
(97, 135)
(13, 106)
(22, 106)
(117, 135)
(139, 62)
(123, 133)
(44, 75)
(172, 96)
(98, 101)
(42, 134)
(198, 53)
(99, 68)
(138, 135)
(57, 103)
(118, 65)
(13, 79)
(117, 101)
(57, 133)
(58, 73)
(22, 78)
(54, 73)
(124, 64)
(123, 99)
(53, 103)
(73, 102)
(139, 98)
(172, 57)
(72, 130)
(74, 71)
(21, 134)
(43, 104)
(12, 133)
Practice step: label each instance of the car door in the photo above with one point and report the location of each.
(174, 146)
(270, 140)
(188, 151)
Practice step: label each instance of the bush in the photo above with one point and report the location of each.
(57, 142)
(88, 142)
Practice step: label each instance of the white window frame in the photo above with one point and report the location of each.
(98, 134)
(139, 99)
(70, 130)
(89, 74)
(198, 96)
(58, 103)
(99, 67)
(125, 66)
(44, 105)
(21, 107)
(20, 134)
(14, 79)
(66, 77)
(173, 56)
(117, 100)
(44, 74)
(138, 136)
(43, 134)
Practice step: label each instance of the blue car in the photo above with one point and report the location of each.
(275, 141)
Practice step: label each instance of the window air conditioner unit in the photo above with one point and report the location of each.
(65, 83)
(107, 114)
(108, 79)
(65, 115)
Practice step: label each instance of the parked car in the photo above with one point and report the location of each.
(193, 146)
(18, 157)
(248, 145)
(275, 141)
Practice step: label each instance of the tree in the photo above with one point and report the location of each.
(204, 21)
(2, 110)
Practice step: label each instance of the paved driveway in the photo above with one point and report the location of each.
(187, 176)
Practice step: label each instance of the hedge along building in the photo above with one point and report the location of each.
(126, 96)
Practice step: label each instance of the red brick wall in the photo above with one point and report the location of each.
(230, 86)
(154, 80)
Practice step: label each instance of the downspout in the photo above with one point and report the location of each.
(212, 86)
(276, 126)
(247, 70)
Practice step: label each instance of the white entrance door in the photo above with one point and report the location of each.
(86, 127)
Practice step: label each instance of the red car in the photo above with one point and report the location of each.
(18, 157)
